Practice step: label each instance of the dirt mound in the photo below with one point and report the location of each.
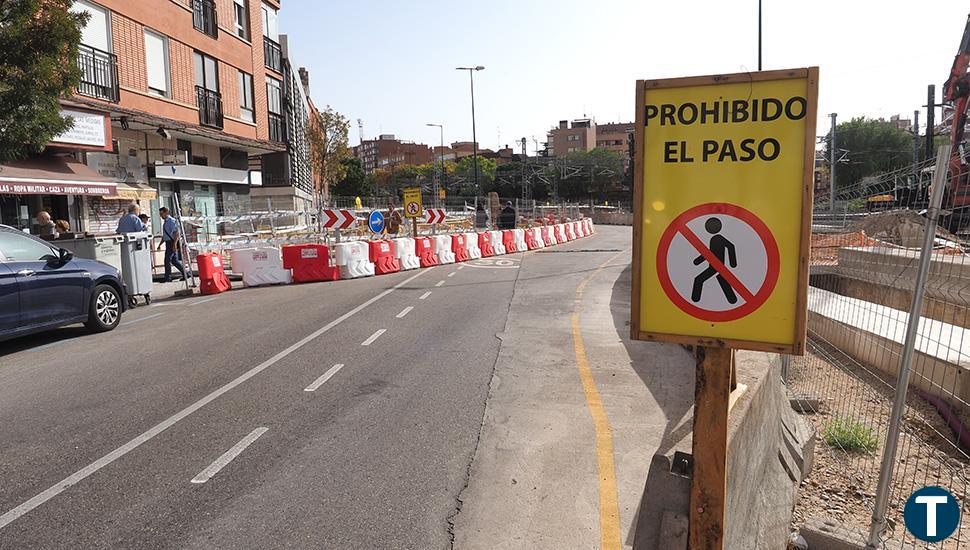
(902, 227)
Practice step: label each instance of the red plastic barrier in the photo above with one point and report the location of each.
(382, 256)
(485, 244)
(212, 276)
(424, 250)
(530, 239)
(508, 239)
(558, 232)
(459, 248)
(577, 231)
(310, 263)
(547, 236)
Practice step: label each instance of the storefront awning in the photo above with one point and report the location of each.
(52, 175)
(134, 192)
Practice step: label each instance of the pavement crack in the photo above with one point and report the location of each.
(453, 516)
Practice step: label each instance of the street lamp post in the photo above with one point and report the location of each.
(441, 161)
(471, 78)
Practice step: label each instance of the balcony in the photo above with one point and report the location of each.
(277, 128)
(99, 73)
(204, 17)
(272, 55)
(210, 107)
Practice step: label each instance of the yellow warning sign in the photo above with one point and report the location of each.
(412, 203)
(722, 195)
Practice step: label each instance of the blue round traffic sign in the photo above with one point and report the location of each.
(376, 221)
(931, 514)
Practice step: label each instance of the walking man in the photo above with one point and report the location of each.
(171, 239)
(722, 249)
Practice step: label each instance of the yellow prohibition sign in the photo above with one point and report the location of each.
(722, 200)
(412, 203)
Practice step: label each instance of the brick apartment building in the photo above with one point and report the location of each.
(584, 135)
(387, 151)
(187, 97)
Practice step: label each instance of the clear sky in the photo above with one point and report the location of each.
(392, 63)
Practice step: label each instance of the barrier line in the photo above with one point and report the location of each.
(609, 502)
(121, 451)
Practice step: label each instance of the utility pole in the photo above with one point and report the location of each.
(832, 162)
(915, 145)
(471, 79)
(930, 118)
(440, 182)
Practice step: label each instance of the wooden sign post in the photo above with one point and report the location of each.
(722, 218)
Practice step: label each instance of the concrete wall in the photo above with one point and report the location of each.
(770, 451)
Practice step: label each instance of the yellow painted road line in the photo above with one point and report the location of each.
(609, 505)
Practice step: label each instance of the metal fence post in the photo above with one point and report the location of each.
(878, 524)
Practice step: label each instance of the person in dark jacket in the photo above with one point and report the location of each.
(481, 218)
(506, 219)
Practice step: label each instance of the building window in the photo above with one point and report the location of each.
(270, 26)
(246, 108)
(156, 63)
(274, 104)
(207, 93)
(241, 18)
(272, 53)
(99, 67)
(574, 137)
(204, 17)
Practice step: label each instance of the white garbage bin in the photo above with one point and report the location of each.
(136, 265)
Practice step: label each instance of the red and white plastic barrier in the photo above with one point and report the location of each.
(258, 266)
(212, 276)
(353, 259)
(548, 238)
(309, 263)
(459, 247)
(485, 244)
(498, 246)
(442, 246)
(471, 244)
(568, 229)
(559, 233)
(424, 249)
(405, 252)
(537, 236)
(508, 240)
(519, 235)
(383, 257)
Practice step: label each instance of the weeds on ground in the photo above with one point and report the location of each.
(848, 434)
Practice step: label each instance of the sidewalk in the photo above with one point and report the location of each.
(535, 479)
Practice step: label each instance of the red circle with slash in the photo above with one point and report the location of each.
(752, 300)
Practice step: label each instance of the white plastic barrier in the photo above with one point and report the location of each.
(560, 232)
(442, 246)
(568, 230)
(261, 265)
(589, 226)
(404, 251)
(520, 239)
(471, 244)
(497, 245)
(353, 259)
(537, 233)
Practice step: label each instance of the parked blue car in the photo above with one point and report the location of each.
(44, 287)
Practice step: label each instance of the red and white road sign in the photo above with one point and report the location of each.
(338, 219)
(434, 215)
(717, 262)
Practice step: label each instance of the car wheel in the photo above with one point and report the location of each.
(105, 310)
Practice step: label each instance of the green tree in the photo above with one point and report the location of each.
(592, 174)
(868, 147)
(38, 64)
(466, 171)
(328, 136)
(355, 183)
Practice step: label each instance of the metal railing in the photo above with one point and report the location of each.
(272, 55)
(277, 128)
(210, 107)
(99, 73)
(205, 18)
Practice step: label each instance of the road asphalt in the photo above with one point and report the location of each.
(344, 414)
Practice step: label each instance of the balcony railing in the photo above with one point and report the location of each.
(210, 107)
(204, 17)
(272, 55)
(99, 73)
(277, 128)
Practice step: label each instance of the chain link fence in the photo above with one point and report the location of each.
(865, 254)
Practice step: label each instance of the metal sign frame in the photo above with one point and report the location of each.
(809, 74)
